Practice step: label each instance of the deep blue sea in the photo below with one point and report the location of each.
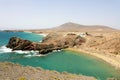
(68, 61)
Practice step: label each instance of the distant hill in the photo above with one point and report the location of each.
(77, 27)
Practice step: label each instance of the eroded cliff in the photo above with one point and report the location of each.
(51, 42)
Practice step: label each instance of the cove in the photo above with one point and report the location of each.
(68, 61)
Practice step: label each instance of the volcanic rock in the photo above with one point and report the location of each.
(51, 42)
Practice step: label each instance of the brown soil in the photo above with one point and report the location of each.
(10, 71)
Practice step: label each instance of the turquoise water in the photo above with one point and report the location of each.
(61, 61)
(5, 36)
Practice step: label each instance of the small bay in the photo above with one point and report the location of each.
(64, 60)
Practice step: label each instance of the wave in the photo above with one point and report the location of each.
(4, 49)
(40, 41)
(27, 32)
(43, 35)
(28, 53)
(57, 50)
(21, 52)
(35, 55)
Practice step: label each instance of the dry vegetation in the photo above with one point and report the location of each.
(106, 42)
(10, 71)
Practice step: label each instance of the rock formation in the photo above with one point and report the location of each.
(51, 42)
(16, 43)
(69, 39)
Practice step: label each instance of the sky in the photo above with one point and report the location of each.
(37, 14)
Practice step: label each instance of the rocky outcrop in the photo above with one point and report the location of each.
(49, 43)
(69, 39)
(16, 43)
(20, 44)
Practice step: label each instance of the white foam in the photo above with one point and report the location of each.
(56, 50)
(43, 35)
(40, 41)
(29, 55)
(27, 32)
(40, 55)
(34, 53)
(21, 52)
(4, 49)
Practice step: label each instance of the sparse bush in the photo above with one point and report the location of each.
(22, 78)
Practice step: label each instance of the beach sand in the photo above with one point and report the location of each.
(107, 57)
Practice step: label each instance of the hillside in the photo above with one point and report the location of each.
(71, 27)
(105, 42)
(77, 27)
(10, 71)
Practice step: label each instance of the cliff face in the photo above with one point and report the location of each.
(51, 42)
(20, 44)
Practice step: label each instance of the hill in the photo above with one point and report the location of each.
(77, 27)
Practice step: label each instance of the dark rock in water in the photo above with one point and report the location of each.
(50, 43)
(20, 44)
(16, 43)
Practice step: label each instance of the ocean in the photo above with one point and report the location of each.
(68, 61)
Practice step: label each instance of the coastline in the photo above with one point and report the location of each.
(43, 34)
(112, 60)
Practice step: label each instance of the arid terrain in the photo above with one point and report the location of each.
(100, 41)
(10, 71)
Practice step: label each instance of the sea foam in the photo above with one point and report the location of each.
(4, 49)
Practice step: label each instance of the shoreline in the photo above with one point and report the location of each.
(110, 59)
(43, 34)
(107, 57)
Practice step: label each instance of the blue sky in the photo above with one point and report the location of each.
(25, 14)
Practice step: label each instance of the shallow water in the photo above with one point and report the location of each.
(5, 36)
(61, 61)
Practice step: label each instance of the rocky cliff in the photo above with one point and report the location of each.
(51, 42)
(16, 43)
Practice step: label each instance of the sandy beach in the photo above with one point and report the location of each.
(109, 58)
(112, 59)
